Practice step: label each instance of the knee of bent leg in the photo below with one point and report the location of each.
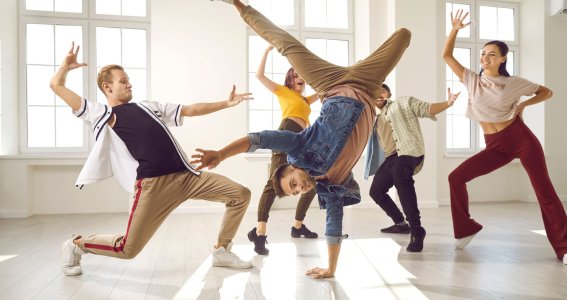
(131, 252)
(244, 194)
(455, 178)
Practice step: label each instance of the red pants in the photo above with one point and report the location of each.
(515, 141)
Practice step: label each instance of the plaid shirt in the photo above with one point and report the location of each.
(403, 114)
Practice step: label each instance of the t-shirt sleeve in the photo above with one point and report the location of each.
(280, 90)
(528, 88)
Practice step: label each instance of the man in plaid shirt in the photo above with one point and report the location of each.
(401, 143)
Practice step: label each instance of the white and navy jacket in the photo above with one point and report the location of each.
(109, 156)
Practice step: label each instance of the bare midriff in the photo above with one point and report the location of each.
(490, 128)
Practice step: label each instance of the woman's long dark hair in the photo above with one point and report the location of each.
(289, 79)
(503, 48)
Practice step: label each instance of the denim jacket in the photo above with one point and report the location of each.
(315, 150)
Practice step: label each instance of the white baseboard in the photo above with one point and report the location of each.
(13, 214)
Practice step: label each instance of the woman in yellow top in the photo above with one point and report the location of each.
(295, 117)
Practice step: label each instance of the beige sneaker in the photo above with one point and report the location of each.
(71, 257)
(223, 257)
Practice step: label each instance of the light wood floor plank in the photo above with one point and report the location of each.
(507, 260)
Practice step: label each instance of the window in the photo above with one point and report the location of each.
(109, 32)
(496, 21)
(323, 26)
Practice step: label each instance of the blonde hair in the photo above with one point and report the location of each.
(105, 75)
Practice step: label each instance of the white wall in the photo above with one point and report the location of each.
(195, 57)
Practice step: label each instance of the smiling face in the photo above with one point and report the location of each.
(490, 59)
(295, 181)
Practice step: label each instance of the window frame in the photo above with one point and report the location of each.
(475, 44)
(301, 32)
(88, 20)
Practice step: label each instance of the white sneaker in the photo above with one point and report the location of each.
(71, 257)
(225, 258)
(463, 242)
(227, 1)
(565, 259)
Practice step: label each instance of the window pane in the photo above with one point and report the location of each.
(133, 48)
(108, 7)
(280, 12)
(41, 127)
(37, 83)
(256, 48)
(458, 132)
(262, 96)
(69, 129)
(43, 5)
(315, 13)
(337, 14)
(108, 48)
(139, 85)
(317, 46)
(260, 120)
(64, 37)
(506, 24)
(333, 51)
(450, 7)
(276, 119)
(134, 8)
(337, 52)
(280, 64)
(40, 44)
(72, 6)
(488, 23)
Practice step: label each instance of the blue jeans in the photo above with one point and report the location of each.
(315, 150)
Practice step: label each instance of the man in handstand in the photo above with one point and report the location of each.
(323, 155)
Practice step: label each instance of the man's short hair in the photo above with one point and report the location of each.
(277, 180)
(105, 75)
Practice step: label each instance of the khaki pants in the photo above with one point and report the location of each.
(155, 198)
(366, 75)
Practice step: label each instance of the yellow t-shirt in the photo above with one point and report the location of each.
(293, 104)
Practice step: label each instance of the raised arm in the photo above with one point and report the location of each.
(211, 159)
(450, 60)
(269, 84)
(57, 82)
(199, 109)
(436, 108)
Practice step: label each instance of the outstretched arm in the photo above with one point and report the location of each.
(267, 82)
(312, 99)
(211, 158)
(436, 108)
(57, 82)
(199, 109)
(450, 60)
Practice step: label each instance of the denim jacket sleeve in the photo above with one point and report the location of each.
(277, 140)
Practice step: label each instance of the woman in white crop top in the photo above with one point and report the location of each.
(494, 101)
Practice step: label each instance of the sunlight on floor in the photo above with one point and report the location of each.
(368, 269)
(542, 232)
(6, 257)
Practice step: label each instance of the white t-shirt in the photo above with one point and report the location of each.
(495, 99)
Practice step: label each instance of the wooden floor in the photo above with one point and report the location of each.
(509, 259)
